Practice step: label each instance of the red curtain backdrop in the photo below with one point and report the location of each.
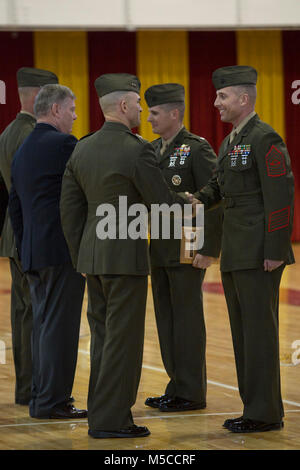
(109, 52)
(207, 52)
(115, 51)
(16, 50)
(291, 47)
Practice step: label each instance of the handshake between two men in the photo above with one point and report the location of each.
(199, 261)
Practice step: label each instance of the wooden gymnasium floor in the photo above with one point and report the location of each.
(195, 430)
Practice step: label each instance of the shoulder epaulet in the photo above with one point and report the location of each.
(156, 141)
(196, 137)
(140, 138)
(87, 135)
(265, 127)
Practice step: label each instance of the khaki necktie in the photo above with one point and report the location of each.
(163, 147)
(232, 136)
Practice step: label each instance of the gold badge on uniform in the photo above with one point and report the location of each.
(176, 180)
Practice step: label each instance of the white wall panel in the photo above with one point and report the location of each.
(69, 13)
(183, 13)
(275, 13)
(143, 14)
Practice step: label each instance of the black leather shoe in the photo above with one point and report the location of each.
(154, 402)
(131, 431)
(249, 425)
(21, 401)
(67, 411)
(227, 423)
(180, 404)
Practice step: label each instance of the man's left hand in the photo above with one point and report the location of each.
(201, 261)
(270, 264)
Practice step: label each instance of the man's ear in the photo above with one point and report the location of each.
(55, 109)
(244, 99)
(123, 105)
(174, 113)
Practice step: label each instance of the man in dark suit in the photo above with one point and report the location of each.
(255, 181)
(187, 162)
(56, 289)
(29, 82)
(113, 163)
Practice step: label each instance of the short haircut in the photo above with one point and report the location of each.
(27, 90)
(109, 102)
(180, 105)
(250, 90)
(48, 95)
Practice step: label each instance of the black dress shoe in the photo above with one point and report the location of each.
(67, 411)
(21, 401)
(249, 425)
(131, 431)
(228, 422)
(154, 402)
(180, 404)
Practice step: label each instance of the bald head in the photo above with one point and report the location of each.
(110, 103)
(122, 106)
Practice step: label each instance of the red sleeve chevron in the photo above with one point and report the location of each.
(279, 219)
(275, 163)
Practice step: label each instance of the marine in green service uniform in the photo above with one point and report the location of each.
(111, 164)
(29, 81)
(3, 202)
(187, 162)
(255, 182)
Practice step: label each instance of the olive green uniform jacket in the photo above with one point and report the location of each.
(187, 165)
(21, 310)
(112, 163)
(255, 182)
(10, 140)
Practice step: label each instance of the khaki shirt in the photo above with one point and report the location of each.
(236, 130)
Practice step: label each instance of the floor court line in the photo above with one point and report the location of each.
(159, 416)
(211, 382)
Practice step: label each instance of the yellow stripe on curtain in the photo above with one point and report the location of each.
(263, 50)
(162, 57)
(65, 53)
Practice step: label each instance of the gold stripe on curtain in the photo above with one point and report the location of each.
(162, 57)
(65, 53)
(263, 50)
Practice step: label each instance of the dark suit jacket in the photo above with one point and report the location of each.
(37, 171)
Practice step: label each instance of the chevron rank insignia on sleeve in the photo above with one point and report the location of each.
(275, 163)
